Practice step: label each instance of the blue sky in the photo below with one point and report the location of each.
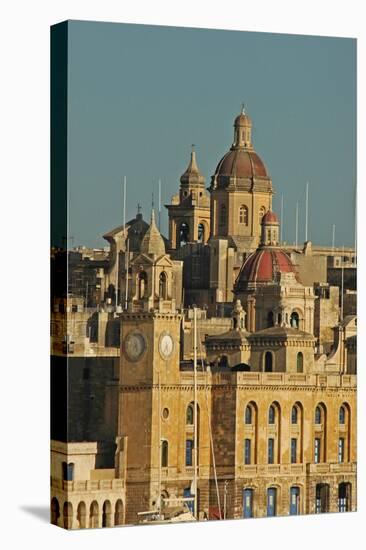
(140, 95)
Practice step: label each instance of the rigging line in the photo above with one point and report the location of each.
(209, 426)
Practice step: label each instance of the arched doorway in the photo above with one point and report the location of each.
(67, 513)
(81, 515)
(55, 511)
(321, 498)
(118, 513)
(344, 497)
(94, 515)
(107, 514)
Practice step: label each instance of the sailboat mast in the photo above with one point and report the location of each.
(195, 409)
(159, 438)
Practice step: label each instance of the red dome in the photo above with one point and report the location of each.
(270, 217)
(263, 266)
(241, 164)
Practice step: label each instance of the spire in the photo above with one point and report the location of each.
(153, 242)
(192, 175)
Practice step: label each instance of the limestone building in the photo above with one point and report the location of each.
(216, 368)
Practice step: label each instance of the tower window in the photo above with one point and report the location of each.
(342, 415)
(294, 319)
(183, 237)
(271, 415)
(164, 454)
(268, 362)
(248, 415)
(223, 215)
(243, 214)
(261, 213)
(163, 285)
(142, 285)
(300, 362)
(189, 415)
(201, 233)
(294, 415)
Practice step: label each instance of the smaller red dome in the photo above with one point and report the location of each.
(270, 218)
(264, 266)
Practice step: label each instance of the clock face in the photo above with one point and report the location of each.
(166, 345)
(135, 345)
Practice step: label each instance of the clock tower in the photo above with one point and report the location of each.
(149, 363)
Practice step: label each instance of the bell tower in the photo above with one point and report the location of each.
(241, 191)
(149, 362)
(189, 211)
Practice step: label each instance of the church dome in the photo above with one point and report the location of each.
(264, 267)
(241, 163)
(270, 217)
(153, 242)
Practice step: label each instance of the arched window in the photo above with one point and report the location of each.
(294, 319)
(268, 362)
(222, 214)
(248, 415)
(270, 319)
(318, 415)
(243, 214)
(271, 415)
(189, 415)
(261, 213)
(163, 286)
(142, 285)
(68, 471)
(223, 361)
(300, 362)
(294, 415)
(183, 234)
(342, 415)
(201, 233)
(164, 454)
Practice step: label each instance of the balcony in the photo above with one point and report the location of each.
(101, 485)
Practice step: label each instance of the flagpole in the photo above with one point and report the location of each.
(306, 211)
(281, 227)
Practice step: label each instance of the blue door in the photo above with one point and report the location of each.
(190, 503)
(294, 501)
(248, 503)
(271, 501)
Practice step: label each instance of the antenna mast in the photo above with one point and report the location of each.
(296, 223)
(306, 211)
(159, 216)
(195, 410)
(333, 236)
(127, 244)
